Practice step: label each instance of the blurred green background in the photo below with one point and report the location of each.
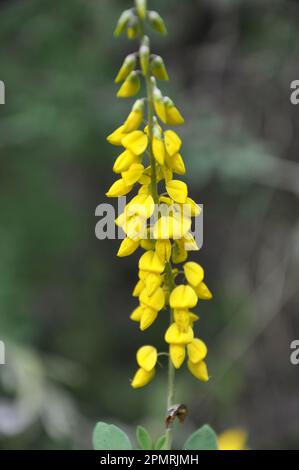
(65, 298)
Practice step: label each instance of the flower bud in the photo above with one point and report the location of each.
(156, 22)
(173, 116)
(126, 68)
(141, 8)
(133, 28)
(130, 87)
(144, 53)
(122, 22)
(158, 69)
(135, 117)
(159, 104)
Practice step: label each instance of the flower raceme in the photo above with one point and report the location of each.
(157, 224)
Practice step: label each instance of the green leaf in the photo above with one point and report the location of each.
(202, 439)
(160, 443)
(110, 437)
(143, 438)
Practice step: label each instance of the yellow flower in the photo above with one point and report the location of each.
(197, 350)
(158, 69)
(199, 370)
(126, 68)
(177, 354)
(163, 250)
(119, 188)
(203, 292)
(232, 439)
(176, 163)
(142, 204)
(179, 254)
(138, 288)
(156, 301)
(177, 190)
(194, 273)
(136, 141)
(137, 313)
(173, 116)
(130, 87)
(173, 142)
(151, 262)
(152, 282)
(159, 104)
(142, 378)
(183, 297)
(124, 161)
(148, 317)
(135, 117)
(158, 149)
(173, 335)
(147, 357)
(132, 175)
(116, 137)
(182, 319)
(127, 247)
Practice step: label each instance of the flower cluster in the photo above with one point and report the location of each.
(158, 223)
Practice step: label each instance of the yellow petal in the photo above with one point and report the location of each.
(136, 141)
(151, 262)
(142, 205)
(124, 161)
(197, 350)
(179, 253)
(183, 297)
(174, 336)
(194, 273)
(119, 188)
(176, 163)
(232, 439)
(173, 142)
(177, 354)
(158, 150)
(156, 301)
(177, 190)
(147, 244)
(199, 370)
(152, 282)
(173, 116)
(182, 319)
(142, 378)
(126, 68)
(130, 87)
(127, 247)
(116, 137)
(138, 288)
(195, 210)
(203, 292)
(148, 317)
(163, 250)
(132, 175)
(147, 357)
(137, 313)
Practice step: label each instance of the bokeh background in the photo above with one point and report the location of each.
(65, 298)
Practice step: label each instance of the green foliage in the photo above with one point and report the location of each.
(143, 438)
(160, 443)
(202, 439)
(110, 437)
